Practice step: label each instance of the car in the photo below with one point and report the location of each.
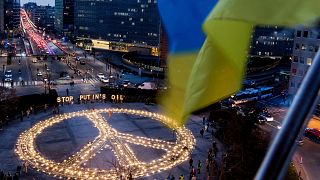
(100, 75)
(312, 134)
(125, 83)
(83, 62)
(265, 116)
(39, 73)
(34, 60)
(104, 80)
(8, 76)
(147, 85)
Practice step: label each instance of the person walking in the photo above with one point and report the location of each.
(193, 177)
(130, 176)
(199, 166)
(203, 120)
(201, 132)
(190, 163)
(67, 90)
(172, 177)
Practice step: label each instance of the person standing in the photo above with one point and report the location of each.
(203, 120)
(45, 107)
(67, 90)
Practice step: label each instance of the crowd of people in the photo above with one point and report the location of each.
(195, 167)
(16, 175)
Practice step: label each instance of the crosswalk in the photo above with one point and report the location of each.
(22, 83)
(41, 83)
(88, 80)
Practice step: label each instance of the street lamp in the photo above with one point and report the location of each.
(45, 87)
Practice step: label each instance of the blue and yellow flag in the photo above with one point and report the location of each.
(198, 80)
(182, 21)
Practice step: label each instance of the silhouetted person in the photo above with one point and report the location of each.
(201, 132)
(190, 162)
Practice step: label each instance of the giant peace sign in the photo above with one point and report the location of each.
(176, 152)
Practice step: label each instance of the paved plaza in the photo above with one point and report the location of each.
(67, 137)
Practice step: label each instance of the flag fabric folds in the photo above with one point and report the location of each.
(218, 69)
(220, 66)
(182, 20)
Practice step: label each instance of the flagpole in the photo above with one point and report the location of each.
(275, 163)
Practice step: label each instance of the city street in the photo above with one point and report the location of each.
(306, 158)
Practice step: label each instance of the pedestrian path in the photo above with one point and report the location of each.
(24, 83)
(87, 80)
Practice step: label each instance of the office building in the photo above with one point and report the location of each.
(271, 41)
(306, 44)
(11, 15)
(1, 17)
(64, 17)
(41, 16)
(119, 24)
(269, 57)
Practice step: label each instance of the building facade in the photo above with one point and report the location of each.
(269, 57)
(1, 17)
(64, 17)
(41, 16)
(306, 44)
(271, 41)
(11, 15)
(131, 22)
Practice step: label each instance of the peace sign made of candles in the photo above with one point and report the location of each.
(108, 137)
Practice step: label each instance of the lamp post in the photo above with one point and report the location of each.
(45, 87)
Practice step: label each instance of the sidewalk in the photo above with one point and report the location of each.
(297, 161)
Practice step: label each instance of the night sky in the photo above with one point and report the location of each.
(39, 2)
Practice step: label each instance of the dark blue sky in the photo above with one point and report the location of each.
(39, 2)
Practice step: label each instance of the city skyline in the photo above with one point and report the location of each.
(39, 2)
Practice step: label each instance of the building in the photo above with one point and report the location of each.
(11, 15)
(64, 17)
(271, 41)
(119, 24)
(1, 17)
(41, 16)
(306, 44)
(269, 57)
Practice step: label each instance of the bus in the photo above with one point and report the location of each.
(252, 94)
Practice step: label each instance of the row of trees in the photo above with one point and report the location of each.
(245, 143)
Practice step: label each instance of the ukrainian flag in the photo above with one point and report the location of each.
(182, 21)
(217, 71)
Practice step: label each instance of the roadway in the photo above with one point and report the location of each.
(307, 156)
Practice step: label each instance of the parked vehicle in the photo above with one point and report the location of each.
(8, 76)
(100, 75)
(312, 133)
